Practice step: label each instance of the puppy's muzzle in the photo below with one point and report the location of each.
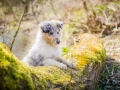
(57, 41)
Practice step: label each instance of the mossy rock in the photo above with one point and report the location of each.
(88, 54)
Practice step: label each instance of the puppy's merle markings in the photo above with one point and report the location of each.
(46, 49)
(52, 30)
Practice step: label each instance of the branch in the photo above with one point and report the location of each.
(54, 9)
(32, 5)
(14, 37)
(34, 15)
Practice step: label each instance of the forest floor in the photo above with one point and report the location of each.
(110, 74)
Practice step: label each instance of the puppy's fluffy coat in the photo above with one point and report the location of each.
(46, 49)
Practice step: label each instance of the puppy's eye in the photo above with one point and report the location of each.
(51, 33)
(57, 32)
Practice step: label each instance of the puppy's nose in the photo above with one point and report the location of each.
(58, 41)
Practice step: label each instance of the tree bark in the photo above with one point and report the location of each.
(88, 53)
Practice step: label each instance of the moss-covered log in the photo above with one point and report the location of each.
(88, 53)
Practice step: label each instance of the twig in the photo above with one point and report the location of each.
(54, 9)
(34, 2)
(85, 7)
(32, 5)
(46, 3)
(4, 29)
(14, 37)
(34, 15)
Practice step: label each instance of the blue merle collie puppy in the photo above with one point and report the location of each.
(46, 50)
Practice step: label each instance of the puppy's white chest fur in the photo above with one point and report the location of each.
(48, 51)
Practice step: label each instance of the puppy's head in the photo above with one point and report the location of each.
(51, 31)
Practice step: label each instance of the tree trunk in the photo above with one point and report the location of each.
(88, 53)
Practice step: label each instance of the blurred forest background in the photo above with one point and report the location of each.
(19, 20)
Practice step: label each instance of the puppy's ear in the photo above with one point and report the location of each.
(60, 24)
(44, 28)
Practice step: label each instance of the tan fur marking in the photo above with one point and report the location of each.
(49, 39)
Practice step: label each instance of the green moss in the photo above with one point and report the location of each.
(82, 87)
(15, 75)
(89, 50)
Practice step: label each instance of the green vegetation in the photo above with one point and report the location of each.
(109, 79)
(91, 51)
(17, 75)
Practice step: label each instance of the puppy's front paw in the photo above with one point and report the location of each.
(72, 65)
(62, 66)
